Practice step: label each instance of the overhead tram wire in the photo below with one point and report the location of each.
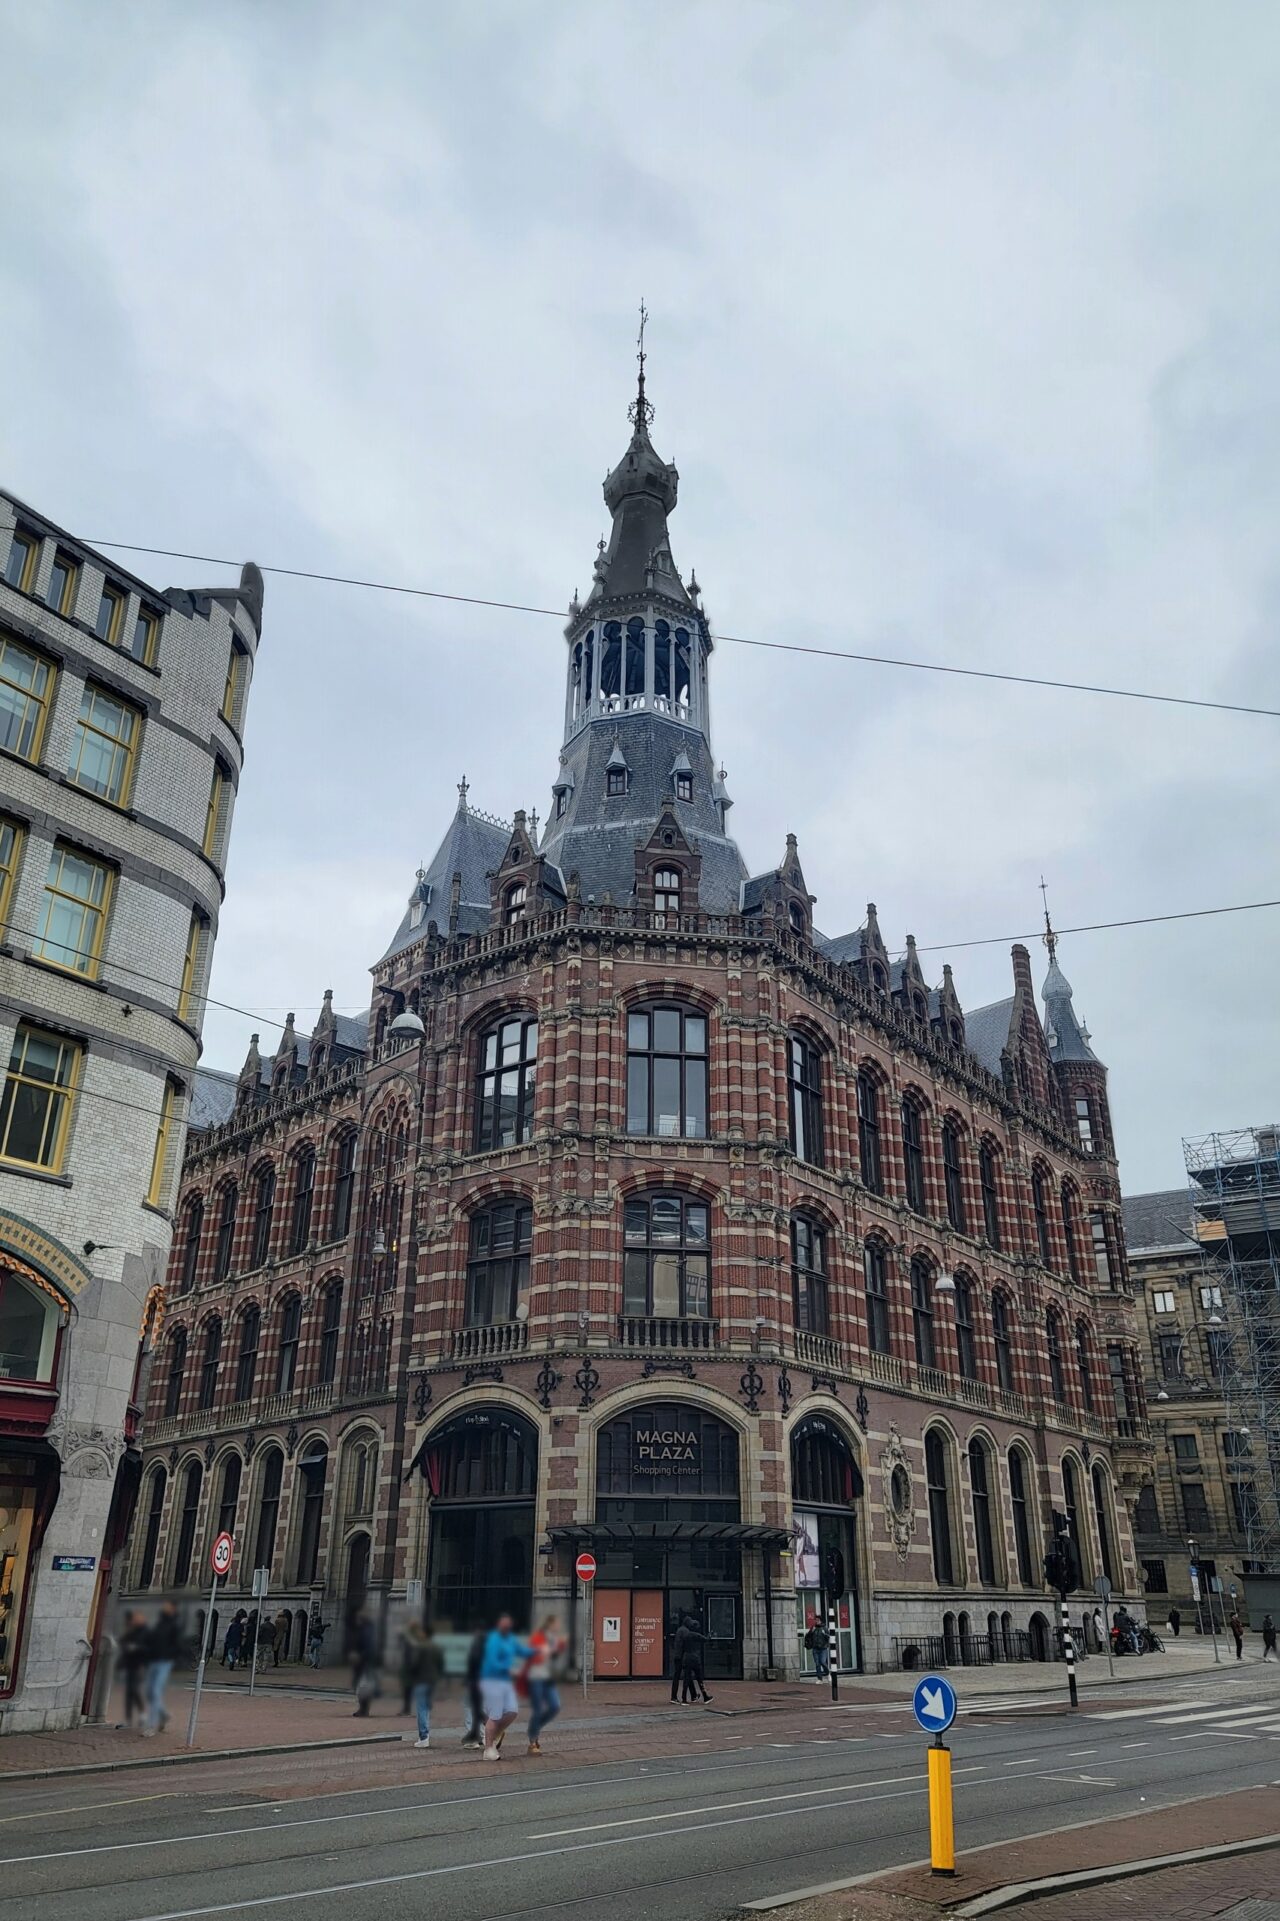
(737, 640)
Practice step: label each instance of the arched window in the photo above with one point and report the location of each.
(667, 1072)
(1040, 1207)
(667, 1260)
(913, 1155)
(798, 918)
(980, 1493)
(953, 1177)
(1068, 1198)
(229, 1497)
(966, 1343)
(187, 1524)
(684, 677)
(192, 1228)
(1102, 1513)
(209, 1363)
(611, 660)
(809, 1275)
(1002, 1334)
(343, 1186)
(247, 1361)
(666, 894)
(225, 1244)
(287, 1352)
(264, 1543)
(875, 1268)
(935, 1471)
(330, 1322)
(922, 1312)
(633, 676)
(177, 1369)
(304, 1189)
(1053, 1337)
(1084, 1125)
(1020, 1483)
(264, 1201)
(661, 665)
(804, 1074)
(311, 1476)
(989, 1180)
(498, 1263)
(1082, 1362)
(362, 1476)
(515, 903)
(870, 1165)
(1071, 1506)
(505, 1083)
(151, 1533)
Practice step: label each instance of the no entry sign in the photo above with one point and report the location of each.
(585, 1567)
(220, 1559)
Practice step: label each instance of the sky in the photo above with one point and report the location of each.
(962, 338)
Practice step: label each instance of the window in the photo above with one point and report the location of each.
(192, 1228)
(935, 1468)
(1119, 1382)
(988, 1180)
(1102, 1515)
(64, 577)
(237, 662)
(1170, 1346)
(110, 615)
(104, 746)
(146, 636)
(1162, 1300)
(1236, 1446)
(913, 1156)
(805, 1088)
(1068, 1200)
(268, 1509)
(1146, 1515)
(809, 1275)
(1040, 1207)
(1101, 1253)
(264, 1201)
(39, 1089)
(1083, 1364)
(1021, 1527)
(209, 1364)
(966, 1345)
(666, 893)
(177, 1368)
(229, 1499)
(980, 1493)
(1218, 1345)
(11, 838)
(304, 1189)
(870, 1165)
(1154, 1577)
(29, 1328)
(20, 568)
(187, 1525)
(498, 1263)
(215, 813)
(191, 965)
(667, 1072)
(77, 893)
(1002, 1334)
(516, 904)
(330, 1321)
(1071, 1503)
(1195, 1508)
(922, 1313)
(1244, 1506)
(875, 1269)
(290, 1334)
(1211, 1297)
(1084, 1125)
(1057, 1379)
(562, 802)
(247, 1363)
(684, 786)
(1186, 1447)
(151, 1535)
(160, 1153)
(615, 782)
(343, 1187)
(953, 1178)
(506, 1083)
(225, 1244)
(798, 918)
(26, 685)
(311, 1473)
(667, 1262)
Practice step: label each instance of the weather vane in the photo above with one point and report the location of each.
(1049, 938)
(640, 412)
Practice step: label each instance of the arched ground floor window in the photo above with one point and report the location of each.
(826, 1485)
(481, 1469)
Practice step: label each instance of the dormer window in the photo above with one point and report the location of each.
(562, 802)
(615, 782)
(516, 904)
(684, 786)
(799, 921)
(666, 891)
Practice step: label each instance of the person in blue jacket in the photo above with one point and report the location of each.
(503, 1651)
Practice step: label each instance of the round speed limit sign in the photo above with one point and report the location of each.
(221, 1555)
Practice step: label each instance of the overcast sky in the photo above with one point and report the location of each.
(964, 340)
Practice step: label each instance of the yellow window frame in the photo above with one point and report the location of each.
(12, 836)
(65, 604)
(124, 747)
(147, 617)
(37, 697)
(235, 682)
(219, 787)
(191, 964)
(119, 601)
(62, 1092)
(24, 537)
(160, 1156)
(92, 913)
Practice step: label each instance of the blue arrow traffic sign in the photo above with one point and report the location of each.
(934, 1704)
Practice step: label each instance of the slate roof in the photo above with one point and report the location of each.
(1158, 1220)
(841, 947)
(213, 1096)
(1063, 1031)
(986, 1032)
(755, 889)
(473, 846)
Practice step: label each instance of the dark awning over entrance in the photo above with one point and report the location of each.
(667, 1533)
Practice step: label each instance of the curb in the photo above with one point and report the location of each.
(186, 1755)
(1007, 1897)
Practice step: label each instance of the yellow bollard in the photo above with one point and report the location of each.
(942, 1833)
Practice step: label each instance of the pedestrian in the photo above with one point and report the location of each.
(135, 1652)
(284, 1621)
(547, 1649)
(502, 1650)
(362, 1652)
(423, 1666)
(678, 1640)
(1237, 1628)
(266, 1640)
(315, 1638)
(1269, 1639)
(816, 1642)
(474, 1736)
(249, 1637)
(163, 1649)
(692, 1682)
(1175, 1621)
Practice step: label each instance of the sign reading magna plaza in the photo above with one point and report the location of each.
(665, 1450)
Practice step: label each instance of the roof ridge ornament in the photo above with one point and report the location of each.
(1049, 938)
(640, 412)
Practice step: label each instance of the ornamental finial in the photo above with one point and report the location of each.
(640, 412)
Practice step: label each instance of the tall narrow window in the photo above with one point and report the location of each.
(187, 1523)
(1053, 1338)
(1084, 1125)
(953, 1177)
(1102, 1514)
(667, 1259)
(192, 1229)
(247, 1361)
(1101, 1253)
(1069, 1231)
(104, 746)
(39, 1090)
(935, 1467)
(151, 1533)
(191, 965)
(26, 687)
(667, 1072)
(331, 1321)
(633, 681)
(876, 1272)
(611, 660)
(615, 782)
(146, 636)
(805, 1087)
(224, 1246)
(666, 895)
(290, 1335)
(229, 1498)
(343, 1186)
(1119, 1384)
(11, 839)
(160, 1153)
(216, 812)
(1040, 1207)
(177, 1370)
(506, 1082)
(311, 1473)
(304, 1190)
(20, 568)
(73, 915)
(684, 786)
(913, 1156)
(922, 1313)
(809, 1275)
(1021, 1525)
(268, 1509)
(110, 617)
(966, 1345)
(980, 1493)
(1003, 1337)
(1071, 1503)
(232, 692)
(1084, 1365)
(498, 1263)
(64, 578)
(989, 1176)
(515, 905)
(264, 1201)
(209, 1363)
(870, 1166)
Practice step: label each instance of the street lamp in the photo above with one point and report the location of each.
(945, 1284)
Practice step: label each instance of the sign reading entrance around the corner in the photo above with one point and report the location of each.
(934, 1704)
(585, 1567)
(220, 1558)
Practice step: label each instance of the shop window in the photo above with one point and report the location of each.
(922, 1312)
(913, 1155)
(875, 1267)
(870, 1164)
(498, 1263)
(667, 1072)
(19, 1492)
(30, 1321)
(823, 1470)
(809, 1275)
(667, 1258)
(936, 1452)
(506, 1082)
(805, 1090)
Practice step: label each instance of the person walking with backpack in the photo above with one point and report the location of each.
(692, 1683)
(234, 1641)
(546, 1652)
(678, 1642)
(423, 1668)
(816, 1642)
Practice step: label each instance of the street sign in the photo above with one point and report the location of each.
(261, 1581)
(1102, 1586)
(82, 1564)
(934, 1704)
(220, 1558)
(585, 1567)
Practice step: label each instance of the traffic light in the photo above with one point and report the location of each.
(1062, 1565)
(833, 1574)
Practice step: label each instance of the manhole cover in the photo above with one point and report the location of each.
(1252, 1911)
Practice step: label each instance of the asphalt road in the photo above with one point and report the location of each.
(777, 1807)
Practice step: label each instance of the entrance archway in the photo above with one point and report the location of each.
(481, 1469)
(826, 1484)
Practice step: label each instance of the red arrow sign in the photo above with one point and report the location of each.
(585, 1567)
(221, 1555)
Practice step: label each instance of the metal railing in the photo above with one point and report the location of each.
(926, 1651)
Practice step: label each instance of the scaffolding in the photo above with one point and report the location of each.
(1234, 1180)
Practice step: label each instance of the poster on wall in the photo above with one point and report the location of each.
(804, 1535)
(646, 1633)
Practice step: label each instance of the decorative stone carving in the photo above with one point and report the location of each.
(899, 1493)
(88, 1452)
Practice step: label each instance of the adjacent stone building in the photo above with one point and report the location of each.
(121, 712)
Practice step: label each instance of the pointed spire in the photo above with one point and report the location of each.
(464, 788)
(640, 412)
